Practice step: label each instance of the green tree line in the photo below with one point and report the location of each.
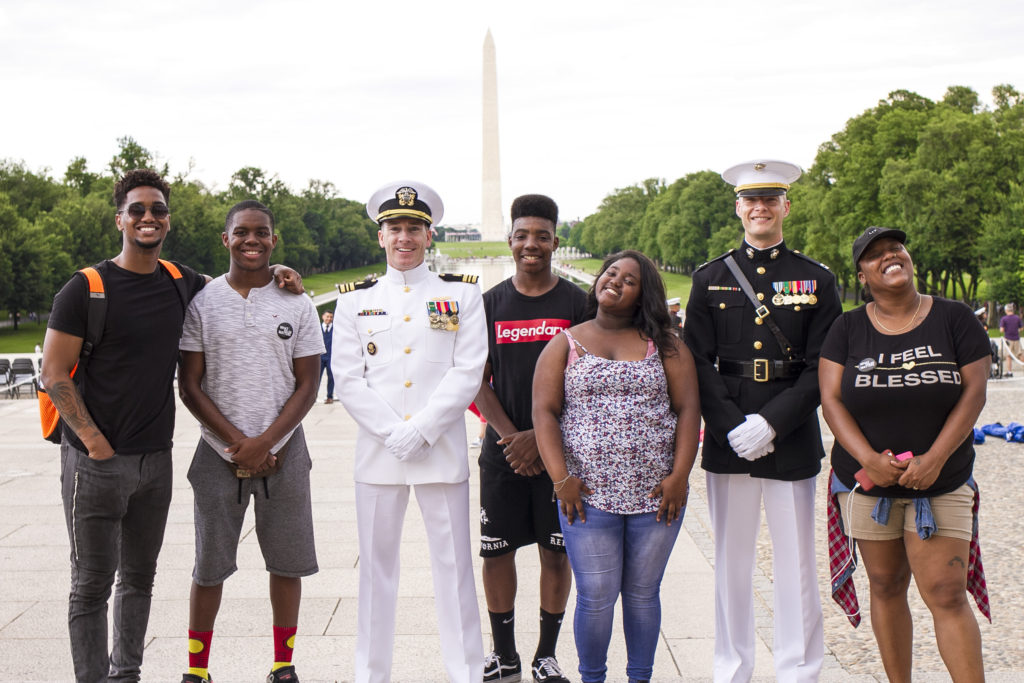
(949, 173)
(50, 227)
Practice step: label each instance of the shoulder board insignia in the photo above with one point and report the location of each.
(807, 258)
(358, 284)
(459, 277)
(718, 258)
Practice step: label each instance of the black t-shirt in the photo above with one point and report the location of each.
(518, 329)
(129, 378)
(901, 388)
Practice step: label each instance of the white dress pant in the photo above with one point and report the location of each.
(380, 511)
(734, 501)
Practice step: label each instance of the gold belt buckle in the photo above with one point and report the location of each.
(760, 369)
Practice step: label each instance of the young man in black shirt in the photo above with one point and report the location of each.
(516, 508)
(119, 419)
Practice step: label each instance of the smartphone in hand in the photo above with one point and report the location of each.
(865, 481)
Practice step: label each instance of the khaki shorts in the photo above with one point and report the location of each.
(952, 513)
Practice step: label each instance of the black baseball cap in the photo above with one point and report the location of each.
(870, 235)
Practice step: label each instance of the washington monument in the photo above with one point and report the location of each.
(492, 220)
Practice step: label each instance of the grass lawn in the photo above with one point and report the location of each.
(473, 249)
(322, 282)
(676, 284)
(24, 340)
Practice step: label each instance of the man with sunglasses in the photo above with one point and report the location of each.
(119, 419)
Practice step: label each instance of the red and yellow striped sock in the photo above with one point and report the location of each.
(199, 652)
(284, 644)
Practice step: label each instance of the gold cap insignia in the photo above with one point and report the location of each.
(406, 196)
(759, 166)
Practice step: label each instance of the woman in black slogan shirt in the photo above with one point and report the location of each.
(907, 373)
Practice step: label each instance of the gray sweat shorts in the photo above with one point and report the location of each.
(284, 514)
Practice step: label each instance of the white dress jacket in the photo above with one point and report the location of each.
(392, 363)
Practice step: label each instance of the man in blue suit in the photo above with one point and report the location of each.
(325, 360)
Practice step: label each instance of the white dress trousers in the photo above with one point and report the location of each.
(445, 510)
(734, 502)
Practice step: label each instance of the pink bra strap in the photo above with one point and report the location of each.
(574, 354)
(651, 348)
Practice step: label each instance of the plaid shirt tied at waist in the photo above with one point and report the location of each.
(842, 557)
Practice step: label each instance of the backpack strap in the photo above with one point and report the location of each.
(170, 268)
(179, 282)
(96, 312)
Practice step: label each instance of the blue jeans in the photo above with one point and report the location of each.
(612, 554)
(116, 511)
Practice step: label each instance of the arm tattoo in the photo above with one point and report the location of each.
(957, 560)
(69, 404)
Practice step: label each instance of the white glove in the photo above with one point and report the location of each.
(753, 438)
(756, 453)
(405, 442)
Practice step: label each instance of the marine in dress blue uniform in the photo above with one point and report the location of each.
(762, 441)
(408, 353)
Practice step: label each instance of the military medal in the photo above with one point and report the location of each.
(777, 300)
(807, 289)
(443, 314)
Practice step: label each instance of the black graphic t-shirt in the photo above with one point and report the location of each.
(518, 329)
(901, 388)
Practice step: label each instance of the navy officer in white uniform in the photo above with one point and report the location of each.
(408, 353)
(757, 368)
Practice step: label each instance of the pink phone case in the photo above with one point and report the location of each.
(865, 481)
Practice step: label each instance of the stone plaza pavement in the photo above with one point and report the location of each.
(34, 578)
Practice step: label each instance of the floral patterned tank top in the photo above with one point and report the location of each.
(618, 429)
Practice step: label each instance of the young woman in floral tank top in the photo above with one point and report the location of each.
(616, 413)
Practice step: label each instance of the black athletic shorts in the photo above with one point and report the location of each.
(516, 511)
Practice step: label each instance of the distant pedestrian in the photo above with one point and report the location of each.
(327, 329)
(1010, 325)
(674, 310)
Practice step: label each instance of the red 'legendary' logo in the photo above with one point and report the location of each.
(515, 331)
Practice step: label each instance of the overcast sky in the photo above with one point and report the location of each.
(593, 95)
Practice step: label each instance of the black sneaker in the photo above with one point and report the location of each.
(507, 670)
(192, 678)
(546, 670)
(286, 674)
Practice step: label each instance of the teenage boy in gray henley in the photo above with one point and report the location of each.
(250, 367)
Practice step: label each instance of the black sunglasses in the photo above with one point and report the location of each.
(137, 210)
